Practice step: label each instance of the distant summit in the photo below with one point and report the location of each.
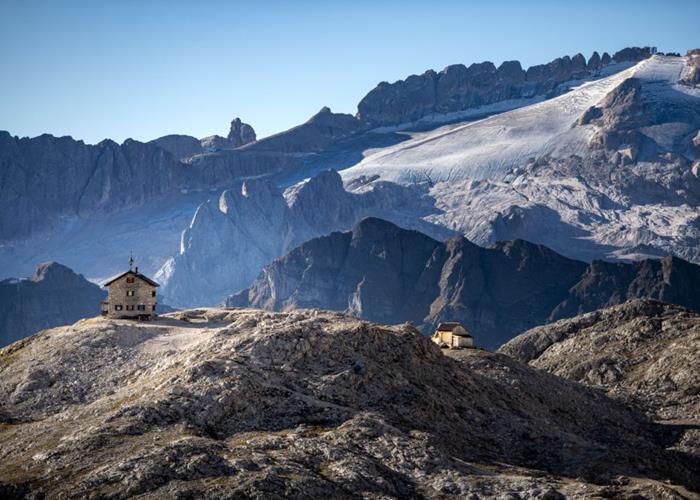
(185, 146)
(54, 295)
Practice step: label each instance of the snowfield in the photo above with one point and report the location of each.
(488, 148)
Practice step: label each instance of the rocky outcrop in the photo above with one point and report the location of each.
(622, 107)
(321, 130)
(457, 87)
(643, 351)
(231, 238)
(381, 272)
(185, 146)
(633, 121)
(240, 133)
(53, 296)
(215, 403)
(692, 74)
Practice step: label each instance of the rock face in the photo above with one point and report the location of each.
(185, 146)
(384, 273)
(49, 176)
(53, 296)
(457, 87)
(604, 284)
(642, 351)
(215, 403)
(180, 146)
(249, 225)
(240, 133)
(692, 75)
(321, 130)
(628, 123)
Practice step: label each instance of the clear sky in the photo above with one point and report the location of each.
(143, 69)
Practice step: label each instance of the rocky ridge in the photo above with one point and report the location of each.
(642, 347)
(381, 272)
(185, 146)
(53, 296)
(692, 75)
(643, 351)
(457, 87)
(81, 179)
(249, 403)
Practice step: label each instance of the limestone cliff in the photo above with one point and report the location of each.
(458, 87)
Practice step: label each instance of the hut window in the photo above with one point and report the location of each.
(142, 307)
(153, 293)
(129, 293)
(130, 279)
(118, 307)
(129, 307)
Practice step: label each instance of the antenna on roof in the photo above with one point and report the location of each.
(131, 260)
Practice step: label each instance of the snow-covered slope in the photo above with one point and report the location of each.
(488, 148)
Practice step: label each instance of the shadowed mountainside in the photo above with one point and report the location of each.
(53, 296)
(385, 273)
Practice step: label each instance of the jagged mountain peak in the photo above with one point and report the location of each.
(326, 117)
(240, 133)
(382, 272)
(458, 87)
(52, 271)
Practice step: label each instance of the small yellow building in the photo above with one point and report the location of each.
(452, 335)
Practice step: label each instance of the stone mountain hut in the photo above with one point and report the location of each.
(131, 295)
(452, 335)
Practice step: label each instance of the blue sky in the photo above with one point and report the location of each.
(143, 69)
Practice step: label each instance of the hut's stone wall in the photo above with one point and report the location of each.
(144, 294)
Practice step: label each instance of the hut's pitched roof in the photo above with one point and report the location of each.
(451, 326)
(135, 274)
